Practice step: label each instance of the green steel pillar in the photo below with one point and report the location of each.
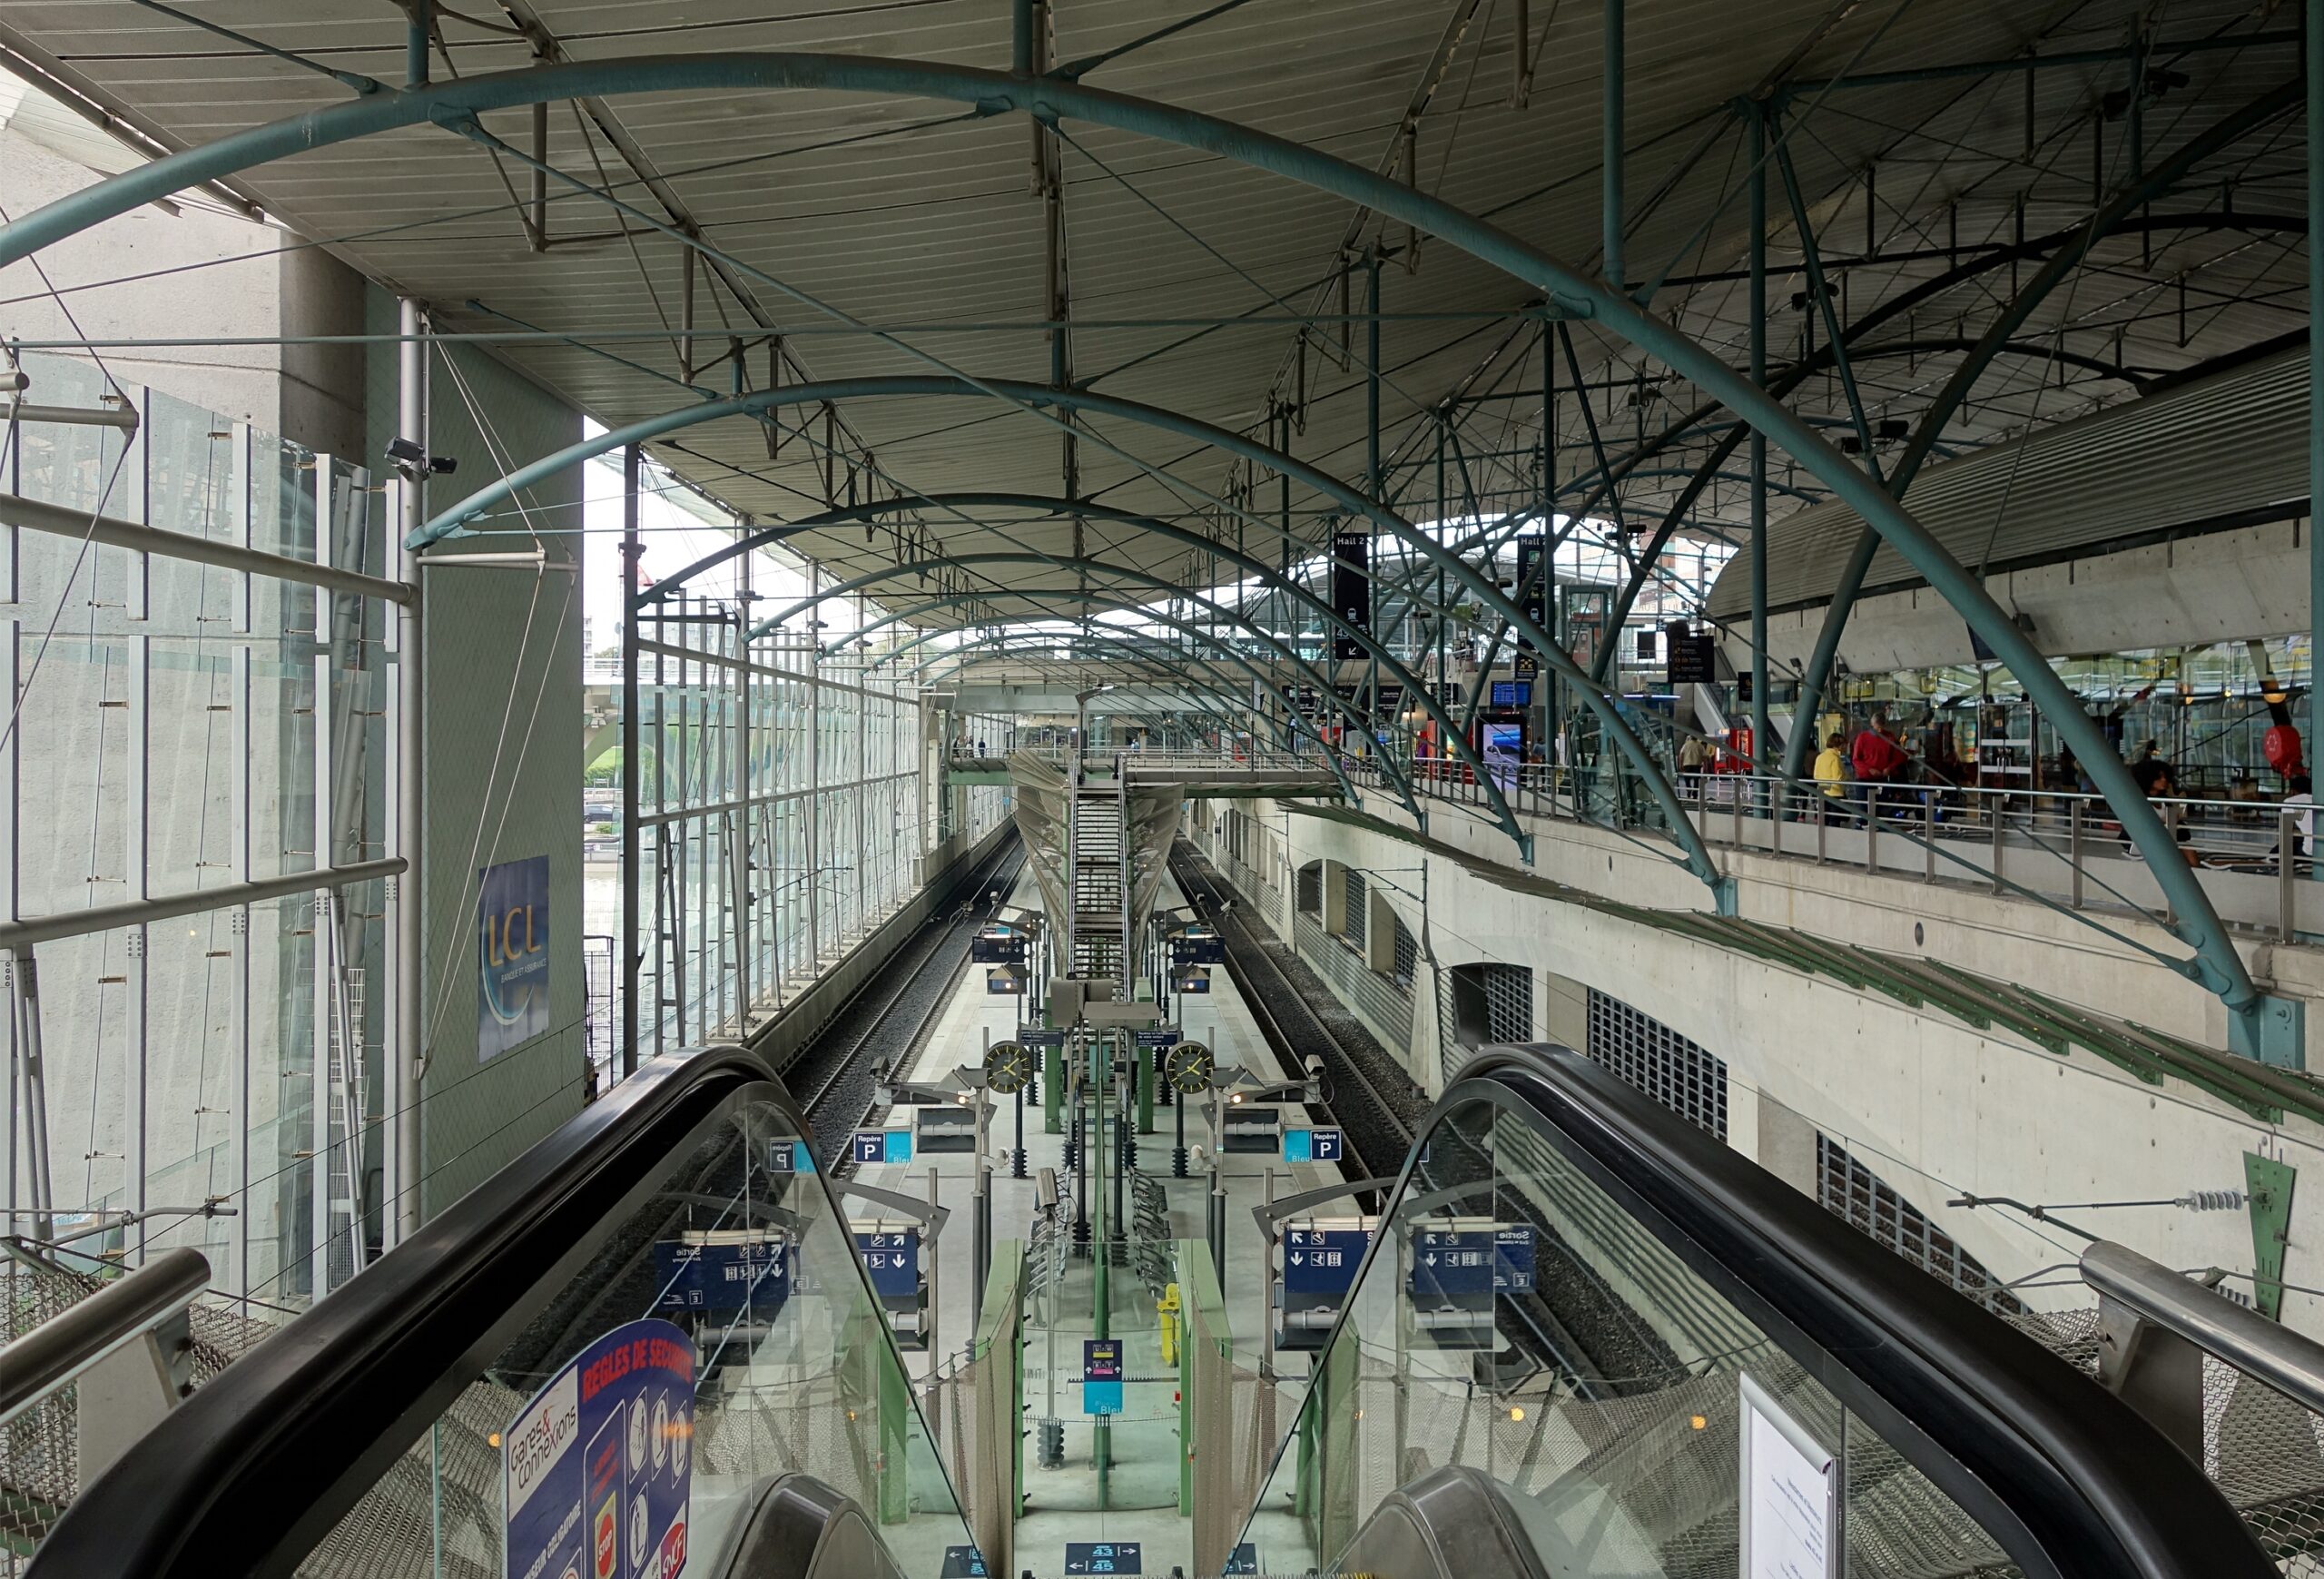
(1142, 1060)
(1610, 89)
(1545, 676)
(416, 44)
(1101, 1322)
(1053, 1090)
(1761, 756)
(2314, 20)
(1372, 384)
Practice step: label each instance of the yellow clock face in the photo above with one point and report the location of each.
(1008, 1065)
(1189, 1067)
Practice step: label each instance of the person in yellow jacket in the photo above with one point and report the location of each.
(1832, 766)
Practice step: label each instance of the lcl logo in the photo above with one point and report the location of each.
(500, 935)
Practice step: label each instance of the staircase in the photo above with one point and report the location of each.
(1097, 820)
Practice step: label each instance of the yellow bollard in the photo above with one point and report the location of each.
(1167, 1310)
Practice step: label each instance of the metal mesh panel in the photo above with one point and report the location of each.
(1509, 1002)
(1407, 955)
(1849, 1189)
(40, 1465)
(1311, 889)
(1358, 904)
(1681, 1074)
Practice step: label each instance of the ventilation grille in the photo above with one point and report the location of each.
(1359, 900)
(1641, 1050)
(1851, 1191)
(1509, 1003)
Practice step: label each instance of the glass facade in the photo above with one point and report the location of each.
(788, 804)
(211, 1078)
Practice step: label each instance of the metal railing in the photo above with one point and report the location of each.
(68, 1345)
(2062, 847)
(2139, 1297)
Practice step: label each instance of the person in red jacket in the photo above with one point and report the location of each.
(1874, 756)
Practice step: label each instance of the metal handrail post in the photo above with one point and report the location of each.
(70, 1343)
(1997, 808)
(2285, 868)
(2133, 1291)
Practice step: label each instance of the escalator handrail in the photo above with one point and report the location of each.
(259, 1465)
(1993, 1419)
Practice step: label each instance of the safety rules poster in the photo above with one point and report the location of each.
(598, 1466)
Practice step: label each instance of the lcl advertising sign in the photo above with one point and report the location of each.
(512, 955)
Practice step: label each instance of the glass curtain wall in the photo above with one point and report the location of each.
(786, 811)
(212, 1076)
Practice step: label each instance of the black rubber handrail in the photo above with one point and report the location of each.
(259, 1465)
(2066, 1476)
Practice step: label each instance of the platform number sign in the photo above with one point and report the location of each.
(963, 1562)
(1105, 1558)
(1244, 1559)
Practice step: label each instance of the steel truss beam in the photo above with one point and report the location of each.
(451, 522)
(1567, 289)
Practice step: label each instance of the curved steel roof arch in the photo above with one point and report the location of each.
(2192, 916)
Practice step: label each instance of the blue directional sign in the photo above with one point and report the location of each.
(1314, 1145)
(1322, 1261)
(788, 1156)
(883, 1145)
(893, 1261)
(1513, 1260)
(753, 1273)
(963, 1562)
(1041, 1037)
(1104, 1557)
(1159, 1036)
(1471, 1265)
(1198, 949)
(1244, 1559)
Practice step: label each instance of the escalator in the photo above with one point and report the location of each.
(1587, 1340)
(1590, 1339)
(648, 1347)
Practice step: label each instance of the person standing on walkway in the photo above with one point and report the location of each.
(1832, 766)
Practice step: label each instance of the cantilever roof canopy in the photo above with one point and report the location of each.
(2229, 449)
(1186, 275)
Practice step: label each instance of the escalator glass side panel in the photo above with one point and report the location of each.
(1672, 1364)
(793, 1372)
(610, 1354)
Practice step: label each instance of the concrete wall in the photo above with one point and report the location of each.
(1933, 1106)
(502, 670)
(2219, 586)
(208, 275)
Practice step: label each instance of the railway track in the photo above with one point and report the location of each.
(1591, 1335)
(1363, 1093)
(876, 1033)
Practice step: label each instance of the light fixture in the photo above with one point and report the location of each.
(2274, 692)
